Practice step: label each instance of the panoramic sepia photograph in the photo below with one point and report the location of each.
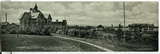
(79, 26)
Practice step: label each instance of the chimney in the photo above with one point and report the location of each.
(64, 21)
(6, 17)
(57, 20)
(30, 9)
(112, 26)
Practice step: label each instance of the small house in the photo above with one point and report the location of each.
(100, 28)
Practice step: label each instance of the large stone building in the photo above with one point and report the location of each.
(35, 18)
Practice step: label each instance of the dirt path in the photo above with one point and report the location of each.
(105, 49)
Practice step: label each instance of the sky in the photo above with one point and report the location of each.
(87, 13)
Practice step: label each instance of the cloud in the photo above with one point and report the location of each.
(146, 12)
(87, 13)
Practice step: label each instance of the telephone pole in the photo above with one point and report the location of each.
(6, 17)
(124, 21)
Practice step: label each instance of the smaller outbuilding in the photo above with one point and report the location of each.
(4, 25)
(100, 28)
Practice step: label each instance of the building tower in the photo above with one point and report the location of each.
(35, 7)
(49, 20)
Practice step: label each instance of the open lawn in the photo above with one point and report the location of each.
(15, 42)
(57, 42)
(109, 44)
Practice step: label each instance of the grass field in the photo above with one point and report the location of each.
(15, 42)
(123, 47)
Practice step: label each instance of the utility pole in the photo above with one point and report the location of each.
(6, 17)
(124, 21)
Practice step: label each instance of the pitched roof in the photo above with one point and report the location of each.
(21, 16)
(41, 15)
(35, 15)
(100, 26)
(49, 17)
(4, 23)
(14, 24)
(25, 15)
